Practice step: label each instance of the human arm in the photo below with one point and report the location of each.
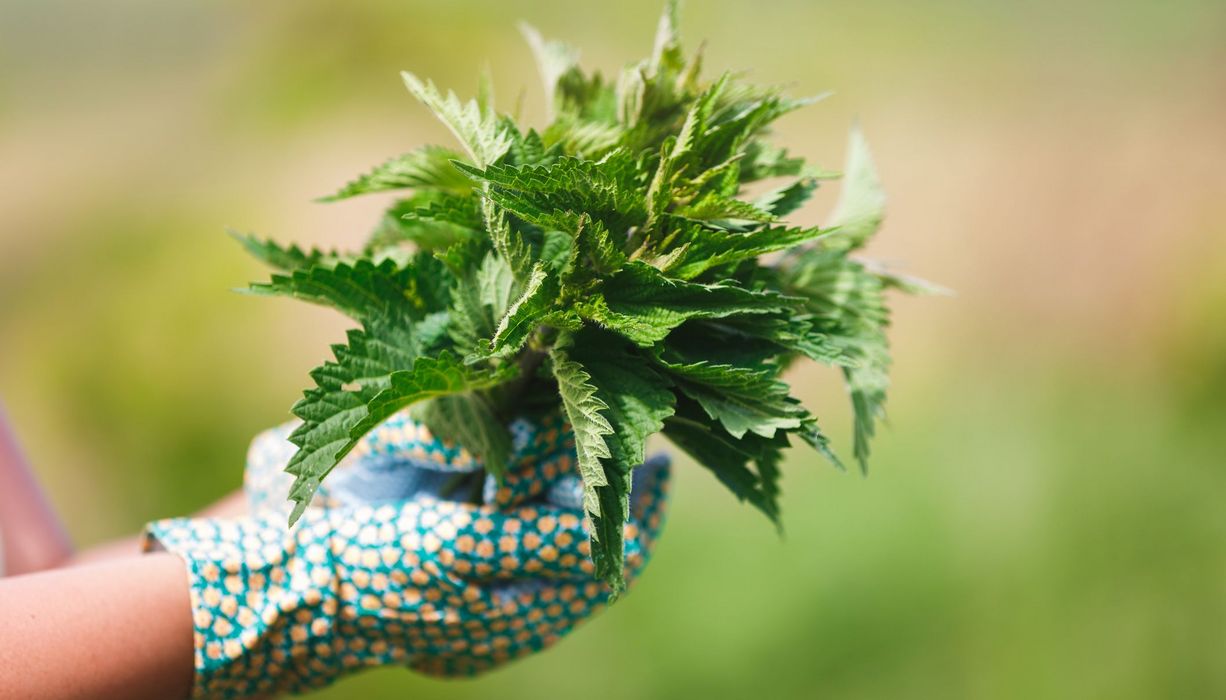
(119, 629)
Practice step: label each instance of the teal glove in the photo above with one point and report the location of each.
(447, 587)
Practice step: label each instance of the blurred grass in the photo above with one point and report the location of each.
(1043, 516)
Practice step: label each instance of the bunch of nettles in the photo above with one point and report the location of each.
(609, 266)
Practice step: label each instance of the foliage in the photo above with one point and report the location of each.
(612, 263)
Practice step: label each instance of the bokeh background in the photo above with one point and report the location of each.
(1045, 516)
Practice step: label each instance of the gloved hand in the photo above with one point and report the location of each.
(447, 587)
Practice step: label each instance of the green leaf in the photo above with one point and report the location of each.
(637, 400)
(360, 290)
(666, 56)
(614, 402)
(593, 255)
(427, 167)
(637, 396)
(479, 130)
(586, 414)
(816, 439)
(554, 196)
(795, 333)
(678, 152)
(470, 421)
(728, 458)
(580, 138)
(743, 399)
(867, 384)
(429, 221)
(497, 284)
(343, 387)
(429, 377)
(715, 207)
(699, 248)
(861, 204)
(507, 242)
(644, 305)
(554, 59)
(764, 160)
(472, 299)
(848, 302)
(283, 258)
(556, 249)
(523, 316)
(787, 199)
(530, 149)
(908, 284)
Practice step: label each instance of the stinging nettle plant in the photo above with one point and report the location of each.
(609, 266)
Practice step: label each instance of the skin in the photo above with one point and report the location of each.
(117, 629)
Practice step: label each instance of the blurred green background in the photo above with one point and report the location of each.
(1045, 514)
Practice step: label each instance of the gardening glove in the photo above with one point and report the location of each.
(447, 587)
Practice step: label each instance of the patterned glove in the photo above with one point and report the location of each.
(447, 587)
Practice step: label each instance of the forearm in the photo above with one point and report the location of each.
(120, 629)
(33, 538)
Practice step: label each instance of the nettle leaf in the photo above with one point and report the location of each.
(478, 128)
(782, 201)
(638, 396)
(861, 205)
(606, 377)
(666, 56)
(358, 290)
(714, 207)
(848, 300)
(286, 258)
(699, 248)
(333, 410)
(797, 333)
(742, 399)
(521, 319)
(530, 149)
(426, 167)
(593, 254)
(642, 304)
(554, 59)
(461, 211)
(556, 249)
(553, 196)
(585, 412)
(764, 160)
(428, 221)
(732, 460)
(637, 401)
(623, 263)
(469, 420)
(678, 152)
(429, 377)
(477, 291)
(581, 138)
(816, 439)
(497, 284)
